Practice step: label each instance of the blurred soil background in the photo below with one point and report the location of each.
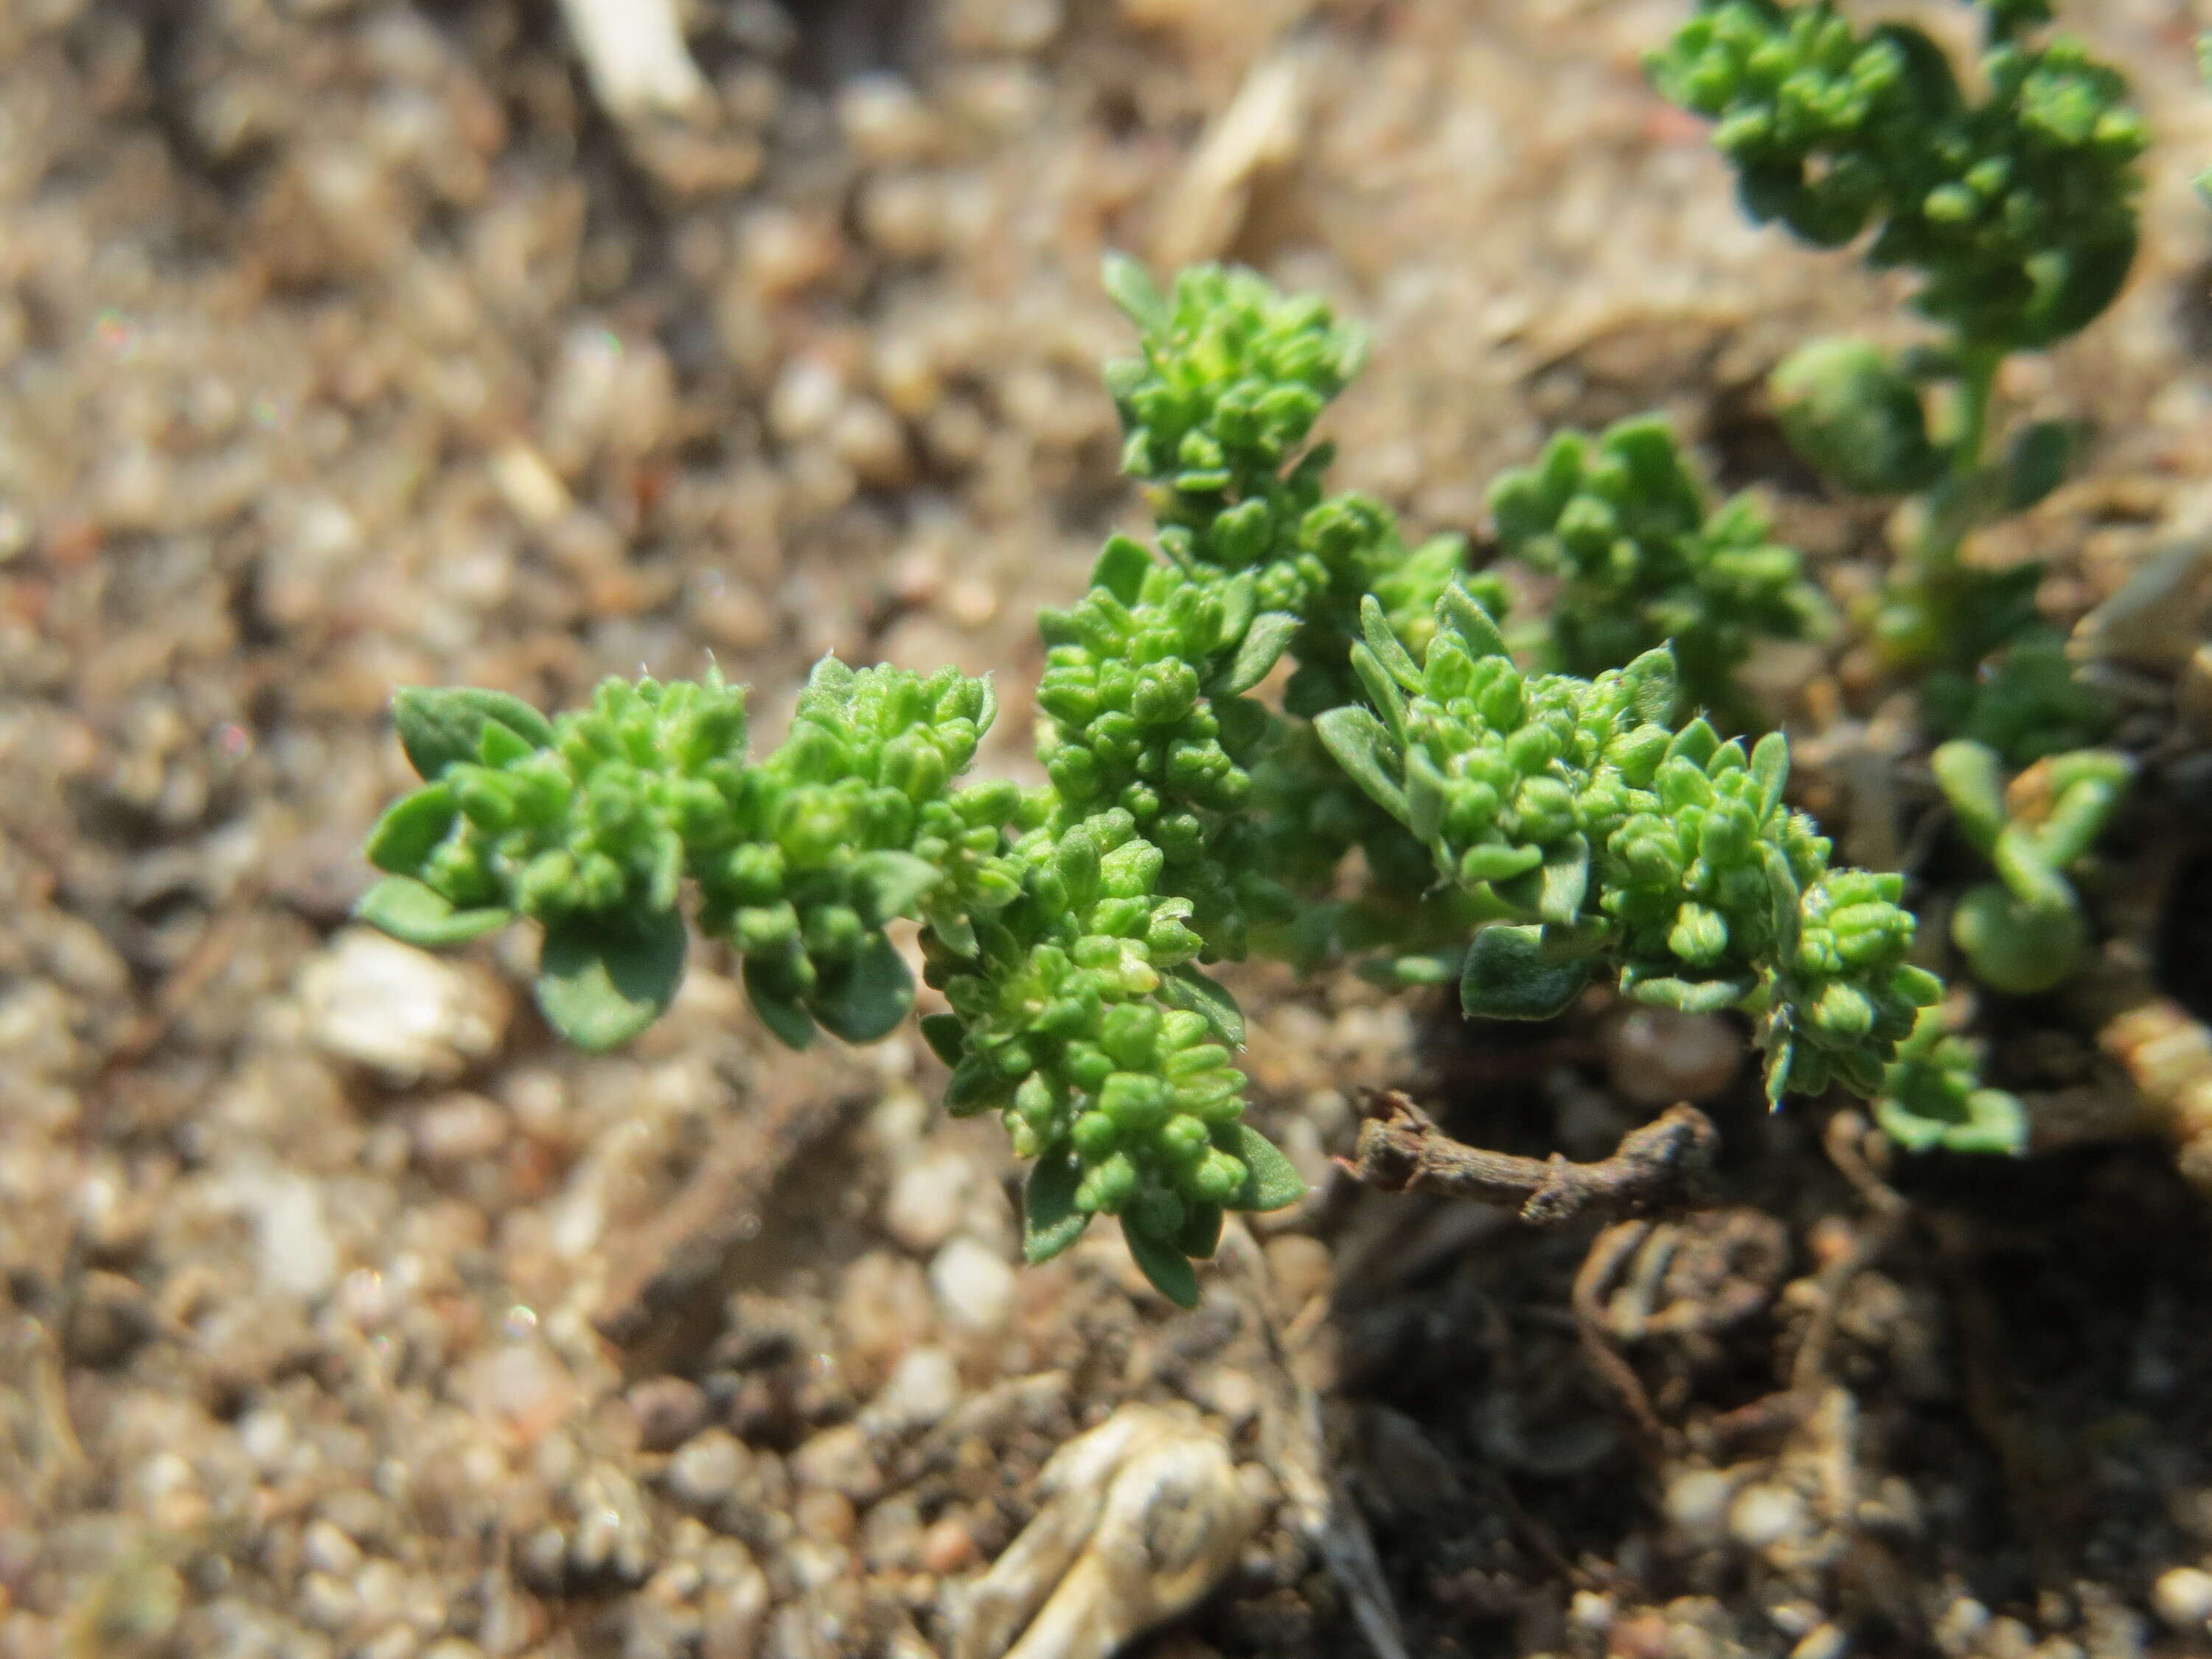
(349, 344)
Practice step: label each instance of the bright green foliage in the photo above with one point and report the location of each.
(1934, 1096)
(1644, 561)
(1603, 835)
(1847, 409)
(591, 824)
(1080, 1019)
(2017, 210)
(1142, 686)
(2025, 932)
(1562, 824)
(2016, 205)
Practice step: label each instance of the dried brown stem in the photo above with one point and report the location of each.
(1663, 1166)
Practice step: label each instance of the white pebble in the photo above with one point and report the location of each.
(401, 1011)
(2183, 1596)
(925, 1385)
(1697, 1502)
(328, 1550)
(973, 1286)
(707, 1467)
(1764, 1514)
(839, 1459)
(458, 1130)
(926, 1199)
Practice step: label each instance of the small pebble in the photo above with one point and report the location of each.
(826, 1515)
(925, 1385)
(947, 1546)
(670, 1410)
(973, 1286)
(707, 1466)
(458, 1130)
(839, 1459)
(1698, 1502)
(927, 1199)
(2182, 1597)
(326, 1549)
(1765, 1514)
(411, 1016)
(1657, 1056)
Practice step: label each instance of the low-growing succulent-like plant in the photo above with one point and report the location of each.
(2015, 205)
(2024, 933)
(1643, 561)
(1934, 1098)
(1521, 832)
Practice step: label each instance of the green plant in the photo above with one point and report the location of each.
(2024, 933)
(2015, 209)
(1521, 832)
(1643, 561)
(1934, 1096)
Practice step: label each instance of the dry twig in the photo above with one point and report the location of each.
(1662, 1167)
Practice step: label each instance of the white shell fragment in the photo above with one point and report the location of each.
(414, 1016)
(1141, 1517)
(634, 56)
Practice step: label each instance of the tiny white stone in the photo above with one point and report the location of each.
(1698, 1502)
(1765, 1514)
(2183, 1596)
(925, 1385)
(328, 1550)
(707, 1466)
(927, 1196)
(410, 1015)
(973, 1286)
(1590, 1611)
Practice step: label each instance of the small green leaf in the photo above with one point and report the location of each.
(1357, 742)
(1264, 641)
(1201, 1231)
(1390, 651)
(1971, 778)
(1131, 287)
(1272, 1182)
(788, 1023)
(2037, 462)
(410, 829)
(1123, 566)
(1383, 693)
(414, 914)
(1657, 685)
(1770, 765)
(1508, 974)
(602, 980)
(1191, 990)
(870, 998)
(1689, 996)
(1857, 417)
(1165, 1264)
(1565, 880)
(442, 726)
(1050, 1221)
(1458, 611)
(499, 745)
(1785, 899)
(1696, 743)
(944, 1035)
(1426, 796)
(891, 884)
(1990, 1123)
